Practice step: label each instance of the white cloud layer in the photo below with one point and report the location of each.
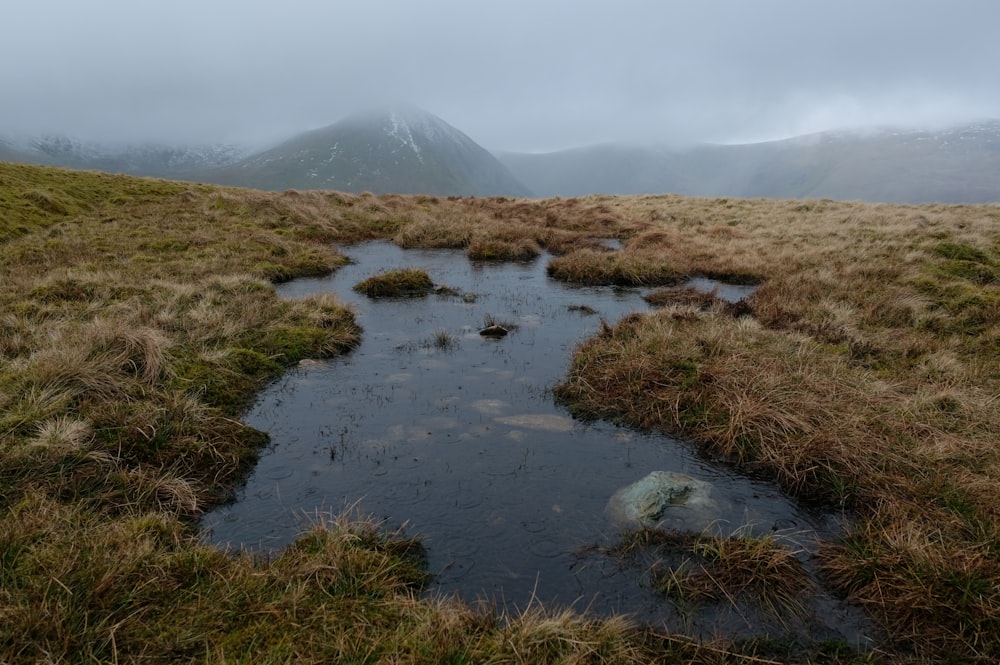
(517, 75)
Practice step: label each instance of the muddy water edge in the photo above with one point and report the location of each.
(430, 425)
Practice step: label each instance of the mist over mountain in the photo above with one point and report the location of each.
(410, 151)
(405, 151)
(144, 159)
(956, 165)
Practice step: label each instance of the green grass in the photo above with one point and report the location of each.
(34, 199)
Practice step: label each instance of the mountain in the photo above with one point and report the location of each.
(405, 151)
(145, 159)
(410, 151)
(955, 165)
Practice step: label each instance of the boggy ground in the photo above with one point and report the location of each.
(138, 318)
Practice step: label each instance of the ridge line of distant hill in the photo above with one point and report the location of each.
(410, 151)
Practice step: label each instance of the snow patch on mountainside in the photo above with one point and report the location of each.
(401, 131)
(432, 128)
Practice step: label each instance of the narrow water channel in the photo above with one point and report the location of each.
(463, 443)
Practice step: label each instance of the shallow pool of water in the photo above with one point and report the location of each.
(463, 443)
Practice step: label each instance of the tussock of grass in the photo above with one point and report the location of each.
(400, 283)
(444, 340)
(738, 568)
(698, 569)
(435, 233)
(82, 588)
(689, 296)
(504, 240)
(594, 267)
(488, 249)
(757, 579)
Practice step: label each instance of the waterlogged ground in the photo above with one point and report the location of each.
(430, 425)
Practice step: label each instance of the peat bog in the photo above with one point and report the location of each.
(457, 438)
(140, 321)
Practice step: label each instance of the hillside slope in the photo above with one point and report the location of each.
(406, 152)
(958, 165)
(143, 159)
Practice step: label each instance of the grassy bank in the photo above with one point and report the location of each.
(138, 319)
(865, 373)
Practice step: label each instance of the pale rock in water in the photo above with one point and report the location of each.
(645, 502)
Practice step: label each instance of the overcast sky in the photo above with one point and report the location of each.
(528, 75)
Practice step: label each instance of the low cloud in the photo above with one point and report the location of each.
(514, 76)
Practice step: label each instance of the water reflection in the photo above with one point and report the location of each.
(464, 444)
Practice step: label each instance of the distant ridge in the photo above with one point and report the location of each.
(410, 151)
(955, 165)
(145, 159)
(405, 151)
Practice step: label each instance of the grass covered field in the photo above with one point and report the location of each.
(138, 318)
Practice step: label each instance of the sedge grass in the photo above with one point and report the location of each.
(868, 382)
(444, 340)
(736, 568)
(138, 319)
(594, 267)
(756, 576)
(398, 283)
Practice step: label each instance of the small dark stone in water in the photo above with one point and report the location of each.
(494, 331)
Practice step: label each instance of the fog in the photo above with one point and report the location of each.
(517, 75)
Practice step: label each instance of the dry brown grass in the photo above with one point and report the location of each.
(626, 268)
(401, 282)
(138, 317)
(867, 376)
(737, 570)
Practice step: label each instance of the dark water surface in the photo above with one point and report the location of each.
(464, 444)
